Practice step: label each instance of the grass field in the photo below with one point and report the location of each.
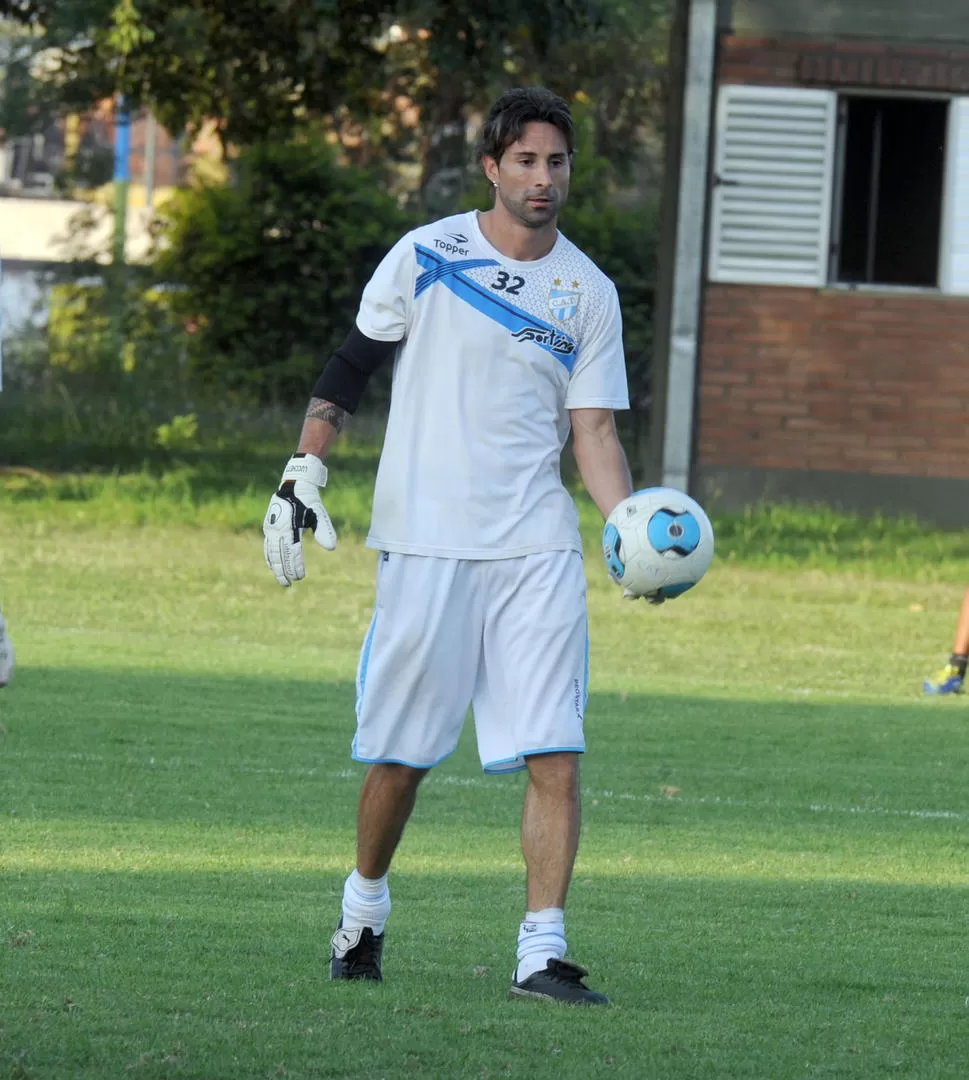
(774, 874)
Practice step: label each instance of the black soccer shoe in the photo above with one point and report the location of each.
(560, 981)
(356, 954)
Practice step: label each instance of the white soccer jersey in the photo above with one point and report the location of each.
(493, 354)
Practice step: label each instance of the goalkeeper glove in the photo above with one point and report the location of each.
(296, 506)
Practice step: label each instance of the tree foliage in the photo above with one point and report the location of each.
(269, 270)
(255, 66)
(260, 67)
(395, 78)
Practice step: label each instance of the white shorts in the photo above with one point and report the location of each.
(508, 637)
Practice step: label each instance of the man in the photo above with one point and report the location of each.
(505, 336)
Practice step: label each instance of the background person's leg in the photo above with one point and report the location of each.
(960, 645)
(951, 677)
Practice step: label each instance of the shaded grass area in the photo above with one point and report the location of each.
(787, 536)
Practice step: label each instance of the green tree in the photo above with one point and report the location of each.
(257, 67)
(272, 266)
(269, 270)
(465, 52)
(448, 59)
(263, 68)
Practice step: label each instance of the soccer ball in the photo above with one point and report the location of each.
(658, 541)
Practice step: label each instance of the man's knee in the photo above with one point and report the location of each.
(394, 775)
(558, 770)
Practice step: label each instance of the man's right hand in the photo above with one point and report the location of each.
(296, 506)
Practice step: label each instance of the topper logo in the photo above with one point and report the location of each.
(452, 249)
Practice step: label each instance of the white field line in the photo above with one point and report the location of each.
(587, 793)
(716, 800)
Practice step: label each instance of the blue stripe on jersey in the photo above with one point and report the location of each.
(522, 324)
(427, 279)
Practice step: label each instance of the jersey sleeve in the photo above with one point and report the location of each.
(387, 300)
(598, 380)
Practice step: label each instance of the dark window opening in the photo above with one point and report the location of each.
(888, 218)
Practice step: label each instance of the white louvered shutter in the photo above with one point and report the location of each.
(954, 274)
(773, 175)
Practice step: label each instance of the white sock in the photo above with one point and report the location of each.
(541, 937)
(366, 902)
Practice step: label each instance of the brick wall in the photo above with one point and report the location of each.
(870, 65)
(834, 380)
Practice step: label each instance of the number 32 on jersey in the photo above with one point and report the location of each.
(507, 283)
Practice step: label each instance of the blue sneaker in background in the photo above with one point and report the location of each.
(946, 681)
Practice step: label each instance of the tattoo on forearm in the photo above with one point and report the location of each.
(326, 410)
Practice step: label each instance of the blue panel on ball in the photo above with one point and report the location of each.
(690, 539)
(670, 531)
(611, 546)
(672, 591)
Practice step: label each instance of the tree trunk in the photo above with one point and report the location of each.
(444, 150)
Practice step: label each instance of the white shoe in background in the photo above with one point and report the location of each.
(7, 655)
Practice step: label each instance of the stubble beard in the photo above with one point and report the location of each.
(533, 217)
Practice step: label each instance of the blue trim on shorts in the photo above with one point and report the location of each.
(394, 761)
(365, 659)
(509, 765)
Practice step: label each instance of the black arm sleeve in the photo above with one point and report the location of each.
(345, 376)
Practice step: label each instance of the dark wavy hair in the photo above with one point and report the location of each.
(507, 118)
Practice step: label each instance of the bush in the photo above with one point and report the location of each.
(271, 267)
(95, 383)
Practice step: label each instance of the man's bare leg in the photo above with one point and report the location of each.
(960, 645)
(550, 827)
(386, 800)
(550, 839)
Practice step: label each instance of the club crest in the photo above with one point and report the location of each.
(563, 301)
